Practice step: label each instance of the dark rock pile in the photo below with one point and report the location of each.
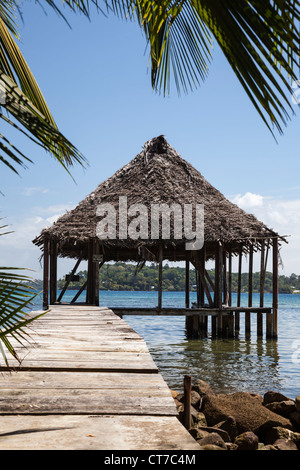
(242, 421)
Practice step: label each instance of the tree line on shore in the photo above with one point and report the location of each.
(126, 276)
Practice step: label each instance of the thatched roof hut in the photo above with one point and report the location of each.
(122, 206)
(157, 175)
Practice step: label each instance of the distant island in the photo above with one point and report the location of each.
(122, 276)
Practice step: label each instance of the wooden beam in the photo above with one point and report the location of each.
(261, 289)
(53, 271)
(187, 282)
(275, 288)
(46, 275)
(219, 285)
(187, 387)
(237, 314)
(79, 292)
(160, 261)
(69, 280)
(250, 291)
(90, 284)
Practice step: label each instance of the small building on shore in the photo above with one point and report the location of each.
(159, 207)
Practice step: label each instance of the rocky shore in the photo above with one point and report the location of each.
(241, 420)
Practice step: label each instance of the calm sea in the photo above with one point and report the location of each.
(228, 365)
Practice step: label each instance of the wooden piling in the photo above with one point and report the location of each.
(46, 275)
(160, 261)
(53, 271)
(250, 290)
(237, 313)
(261, 289)
(275, 288)
(187, 389)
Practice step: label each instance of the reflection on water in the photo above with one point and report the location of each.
(227, 365)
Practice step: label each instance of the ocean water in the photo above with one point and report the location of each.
(228, 365)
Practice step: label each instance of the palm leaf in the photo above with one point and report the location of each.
(259, 38)
(16, 299)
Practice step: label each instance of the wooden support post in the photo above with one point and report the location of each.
(261, 289)
(160, 261)
(275, 288)
(237, 314)
(202, 321)
(219, 285)
(46, 275)
(53, 272)
(187, 282)
(187, 389)
(230, 316)
(90, 281)
(96, 262)
(250, 290)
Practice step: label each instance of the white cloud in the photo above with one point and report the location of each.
(34, 190)
(17, 249)
(281, 215)
(248, 200)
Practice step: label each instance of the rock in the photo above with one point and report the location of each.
(224, 435)
(202, 388)
(285, 444)
(198, 434)
(283, 408)
(211, 447)
(297, 403)
(174, 393)
(247, 410)
(231, 446)
(195, 399)
(247, 441)
(267, 447)
(295, 416)
(229, 425)
(200, 420)
(279, 433)
(271, 396)
(212, 439)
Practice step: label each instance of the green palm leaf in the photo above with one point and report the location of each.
(259, 38)
(16, 299)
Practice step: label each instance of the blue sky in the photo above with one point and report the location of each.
(96, 81)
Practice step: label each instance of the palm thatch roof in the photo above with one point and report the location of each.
(158, 174)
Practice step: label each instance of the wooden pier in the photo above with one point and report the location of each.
(87, 382)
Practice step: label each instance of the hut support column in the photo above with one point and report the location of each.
(250, 289)
(53, 272)
(237, 314)
(189, 323)
(160, 261)
(275, 288)
(261, 290)
(46, 275)
(203, 320)
(90, 280)
(219, 285)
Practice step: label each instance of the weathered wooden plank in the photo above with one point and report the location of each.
(88, 380)
(73, 432)
(79, 401)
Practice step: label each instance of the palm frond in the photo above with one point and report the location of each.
(259, 38)
(16, 298)
(23, 100)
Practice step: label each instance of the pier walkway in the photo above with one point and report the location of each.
(87, 381)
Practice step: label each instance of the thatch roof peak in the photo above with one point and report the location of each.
(158, 174)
